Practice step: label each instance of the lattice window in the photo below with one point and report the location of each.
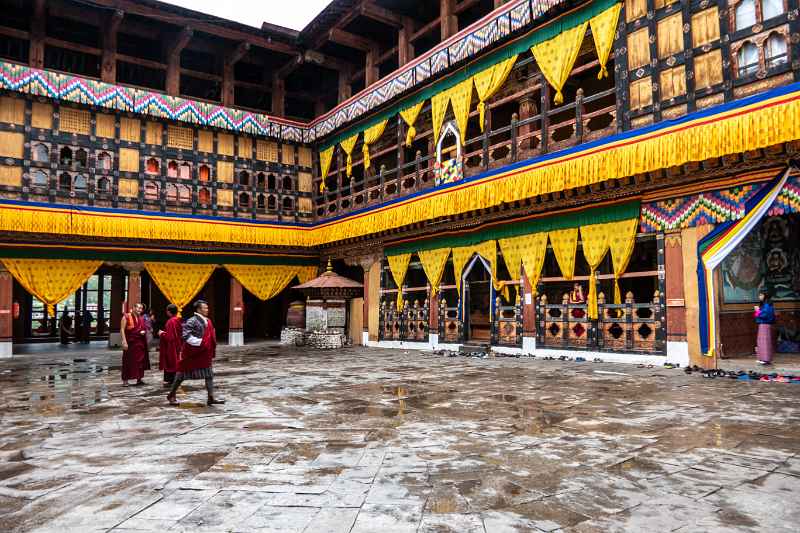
(205, 141)
(42, 116)
(670, 35)
(130, 129)
(225, 171)
(75, 121)
(12, 110)
(128, 160)
(673, 82)
(638, 49)
(245, 148)
(641, 93)
(11, 144)
(224, 144)
(635, 9)
(182, 138)
(267, 151)
(105, 125)
(705, 27)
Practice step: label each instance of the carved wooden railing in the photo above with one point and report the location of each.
(410, 324)
(507, 324)
(451, 328)
(628, 327)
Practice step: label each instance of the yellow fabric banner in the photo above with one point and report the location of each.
(565, 244)
(556, 57)
(325, 159)
(348, 145)
(410, 116)
(595, 239)
(439, 103)
(461, 98)
(488, 250)
(433, 263)
(371, 135)
(604, 27)
(461, 255)
(51, 281)
(488, 82)
(306, 273)
(528, 252)
(264, 281)
(621, 243)
(179, 282)
(398, 266)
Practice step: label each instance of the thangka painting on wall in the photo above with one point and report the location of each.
(768, 257)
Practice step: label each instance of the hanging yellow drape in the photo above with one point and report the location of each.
(604, 26)
(565, 244)
(325, 159)
(348, 145)
(557, 56)
(621, 243)
(264, 281)
(306, 273)
(595, 239)
(179, 282)
(439, 103)
(488, 250)
(371, 135)
(410, 116)
(487, 82)
(461, 255)
(528, 252)
(461, 98)
(433, 263)
(51, 281)
(398, 266)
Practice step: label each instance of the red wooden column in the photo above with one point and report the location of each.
(115, 313)
(6, 316)
(433, 318)
(236, 326)
(134, 287)
(528, 315)
(448, 20)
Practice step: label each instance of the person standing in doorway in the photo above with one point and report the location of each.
(197, 354)
(765, 318)
(134, 346)
(87, 327)
(65, 327)
(169, 347)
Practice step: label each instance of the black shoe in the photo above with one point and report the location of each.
(214, 401)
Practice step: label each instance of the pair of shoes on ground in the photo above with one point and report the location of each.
(172, 400)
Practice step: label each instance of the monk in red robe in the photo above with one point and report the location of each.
(134, 346)
(169, 346)
(197, 354)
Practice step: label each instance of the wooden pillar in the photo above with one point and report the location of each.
(405, 48)
(236, 326)
(228, 75)
(374, 299)
(371, 72)
(448, 20)
(675, 301)
(175, 47)
(345, 90)
(108, 70)
(278, 96)
(433, 316)
(115, 312)
(528, 308)
(527, 109)
(6, 316)
(134, 287)
(36, 53)
(689, 239)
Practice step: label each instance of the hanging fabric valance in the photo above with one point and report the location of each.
(306, 273)
(526, 252)
(604, 28)
(438, 111)
(410, 116)
(621, 241)
(489, 82)
(265, 281)
(460, 99)
(565, 245)
(398, 266)
(557, 56)
(51, 281)
(371, 135)
(594, 239)
(348, 145)
(325, 159)
(179, 283)
(460, 257)
(433, 263)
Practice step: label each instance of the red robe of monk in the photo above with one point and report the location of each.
(198, 357)
(169, 345)
(134, 359)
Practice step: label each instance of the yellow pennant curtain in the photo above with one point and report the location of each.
(433, 263)
(556, 57)
(595, 239)
(461, 255)
(461, 98)
(438, 111)
(264, 281)
(51, 281)
(604, 26)
(410, 116)
(348, 145)
(528, 252)
(398, 266)
(565, 244)
(489, 81)
(621, 243)
(371, 135)
(488, 250)
(306, 273)
(325, 159)
(179, 282)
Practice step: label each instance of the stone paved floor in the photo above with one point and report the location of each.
(367, 440)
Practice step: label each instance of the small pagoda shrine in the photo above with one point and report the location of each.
(326, 308)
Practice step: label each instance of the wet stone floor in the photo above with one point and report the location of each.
(366, 440)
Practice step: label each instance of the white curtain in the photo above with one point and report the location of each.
(746, 14)
(776, 50)
(772, 8)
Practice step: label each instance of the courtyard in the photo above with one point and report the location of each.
(368, 440)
